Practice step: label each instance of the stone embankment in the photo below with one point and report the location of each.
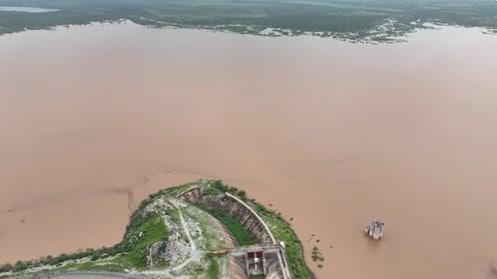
(267, 257)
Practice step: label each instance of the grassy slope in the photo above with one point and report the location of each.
(236, 229)
(149, 232)
(213, 269)
(293, 247)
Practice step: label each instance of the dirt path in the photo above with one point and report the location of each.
(194, 252)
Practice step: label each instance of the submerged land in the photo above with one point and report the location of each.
(203, 229)
(352, 20)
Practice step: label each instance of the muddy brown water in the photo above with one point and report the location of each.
(332, 134)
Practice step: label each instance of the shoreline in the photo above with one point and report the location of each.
(209, 192)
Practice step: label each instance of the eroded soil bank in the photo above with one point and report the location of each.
(94, 118)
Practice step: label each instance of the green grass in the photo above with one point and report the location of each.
(211, 238)
(242, 236)
(293, 247)
(139, 239)
(149, 232)
(213, 270)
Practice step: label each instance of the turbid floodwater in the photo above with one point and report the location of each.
(332, 134)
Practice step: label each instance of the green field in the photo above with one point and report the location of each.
(354, 20)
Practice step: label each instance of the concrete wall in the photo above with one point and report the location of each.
(236, 209)
(249, 220)
(274, 260)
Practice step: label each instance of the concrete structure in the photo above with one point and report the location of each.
(261, 259)
(267, 257)
(375, 229)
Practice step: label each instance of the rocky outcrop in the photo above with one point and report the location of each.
(246, 217)
(174, 250)
(191, 195)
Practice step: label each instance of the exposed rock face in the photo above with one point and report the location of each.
(158, 206)
(192, 196)
(272, 265)
(174, 250)
(243, 215)
(234, 208)
(154, 253)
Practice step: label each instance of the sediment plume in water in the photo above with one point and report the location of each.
(94, 118)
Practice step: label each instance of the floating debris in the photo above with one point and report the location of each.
(316, 255)
(375, 229)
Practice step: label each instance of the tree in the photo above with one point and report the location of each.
(6, 268)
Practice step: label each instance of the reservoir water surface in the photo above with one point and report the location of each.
(94, 118)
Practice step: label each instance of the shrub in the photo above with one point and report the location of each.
(6, 268)
(213, 271)
(20, 266)
(242, 195)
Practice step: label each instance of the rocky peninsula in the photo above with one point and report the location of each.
(203, 229)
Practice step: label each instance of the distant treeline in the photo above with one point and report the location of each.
(355, 20)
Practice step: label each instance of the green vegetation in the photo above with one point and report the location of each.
(148, 227)
(211, 238)
(213, 270)
(355, 20)
(316, 255)
(217, 187)
(242, 236)
(293, 247)
(6, 267)
(129, 254)
(151, 230)
(280, 229)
